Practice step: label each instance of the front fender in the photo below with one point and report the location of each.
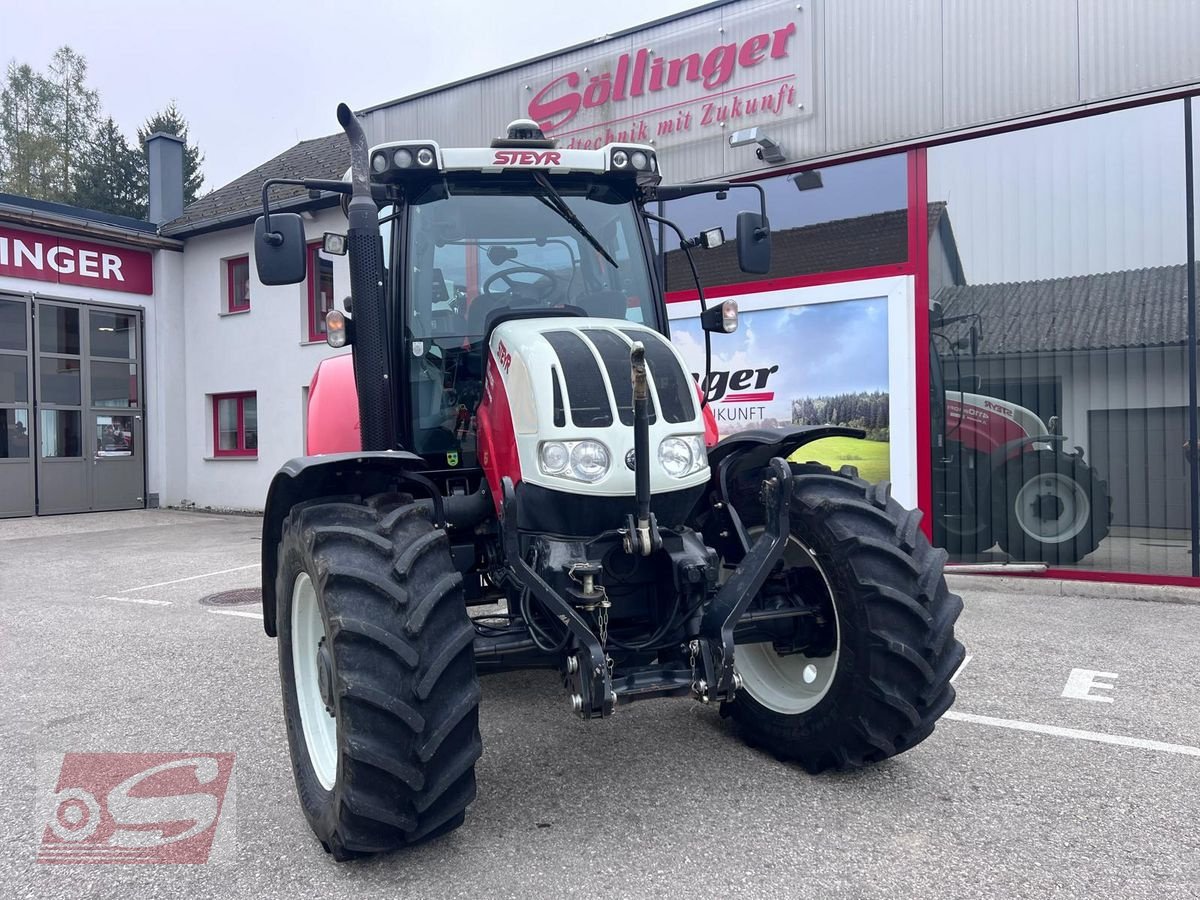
(311, 477)
(740, 455)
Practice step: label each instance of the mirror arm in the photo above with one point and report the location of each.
(668, 192)
(274, 238)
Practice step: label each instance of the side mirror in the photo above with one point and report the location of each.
(753, 243)
(281, 255)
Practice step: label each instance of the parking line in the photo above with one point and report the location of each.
(236, 612)
(1074, 734)
(189, 578)
(962, 665)
(139, 600)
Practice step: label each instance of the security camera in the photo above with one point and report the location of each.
(768, 149)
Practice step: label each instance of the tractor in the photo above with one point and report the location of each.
(514, 469)
(1001, 474)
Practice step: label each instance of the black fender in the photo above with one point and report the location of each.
(748, 451)
(329, 475)
(1002, 455)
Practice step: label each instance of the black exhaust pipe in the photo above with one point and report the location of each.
(372, 356)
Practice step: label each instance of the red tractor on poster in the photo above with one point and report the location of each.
(533, 443)
(1001, 474)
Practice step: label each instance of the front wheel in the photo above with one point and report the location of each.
(875, 676)
(380, 694)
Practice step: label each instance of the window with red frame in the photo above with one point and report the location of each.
(237, 277)
(235, 424)
(320, 291)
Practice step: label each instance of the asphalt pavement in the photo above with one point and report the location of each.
(105, 648)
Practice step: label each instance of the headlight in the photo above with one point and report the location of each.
(680, 456)
(425, 156)
(379, 163)
(620, 158)
(586, 461)
(589, 461)
(402, 157)
(639, 159)
(554, 457)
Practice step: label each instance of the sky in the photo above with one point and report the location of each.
(821, 349)
(253, 78)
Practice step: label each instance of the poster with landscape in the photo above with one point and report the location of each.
(812, 364)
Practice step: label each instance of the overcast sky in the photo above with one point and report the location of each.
(253, 78)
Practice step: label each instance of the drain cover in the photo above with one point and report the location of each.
(236, 597)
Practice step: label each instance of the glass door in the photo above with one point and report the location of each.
(63, 482)
(16, 460)
(116, 441)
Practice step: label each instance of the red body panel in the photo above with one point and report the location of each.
(980, 429)
(333, 425)
(497, 438)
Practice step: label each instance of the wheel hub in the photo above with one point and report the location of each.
(1048, 507)
(325, 675)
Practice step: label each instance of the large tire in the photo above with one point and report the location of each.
(961, 526)
(398, 672)
(887, 680)
(1056, 509)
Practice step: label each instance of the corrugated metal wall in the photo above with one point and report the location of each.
(883, 71)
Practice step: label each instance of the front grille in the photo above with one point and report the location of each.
(675, 389)
(586, 397)
(615, 353)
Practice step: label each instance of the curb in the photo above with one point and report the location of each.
(1062, 587)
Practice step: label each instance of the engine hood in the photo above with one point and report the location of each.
(568, 380)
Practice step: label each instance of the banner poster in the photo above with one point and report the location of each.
(808, 363)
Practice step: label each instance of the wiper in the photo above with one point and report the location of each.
(555, 201)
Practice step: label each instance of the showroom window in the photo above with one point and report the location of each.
(837, 218)
(320, 290)
(235, 424)
(1059, 340)
(237, 284)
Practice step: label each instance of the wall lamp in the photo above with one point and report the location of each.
(768, 149)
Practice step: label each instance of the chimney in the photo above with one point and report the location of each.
(166, 176)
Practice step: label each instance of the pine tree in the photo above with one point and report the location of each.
(74, 110)
(28, 148)
(110, 177)
(171, 121)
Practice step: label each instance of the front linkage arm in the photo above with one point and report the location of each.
(591, 684)
(722, 614)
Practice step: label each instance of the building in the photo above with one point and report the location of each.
(1028, 164)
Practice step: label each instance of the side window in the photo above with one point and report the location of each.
(320, 290)
(236, 289)
(235, 424)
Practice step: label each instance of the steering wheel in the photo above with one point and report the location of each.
(540, 291)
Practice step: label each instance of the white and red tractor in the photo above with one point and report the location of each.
(1001, 475)
(514, 432)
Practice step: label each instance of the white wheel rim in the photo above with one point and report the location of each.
(1075, 509)
(794, 683)
(320, 728)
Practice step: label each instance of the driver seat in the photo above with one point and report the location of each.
(478, 309)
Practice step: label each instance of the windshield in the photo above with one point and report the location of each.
(480, 244)
(478, 247)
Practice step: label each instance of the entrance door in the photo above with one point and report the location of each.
(115, 410)
(89, 408)
(16, 424)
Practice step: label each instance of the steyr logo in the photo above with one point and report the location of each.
(527, 158)
(738, 386)
(503, 357)
(135, 808)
